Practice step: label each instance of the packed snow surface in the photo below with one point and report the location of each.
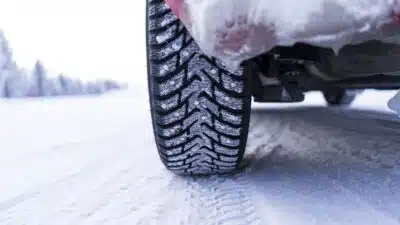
(92, 161)
(236, 30)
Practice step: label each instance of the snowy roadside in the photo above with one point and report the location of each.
(93, 161)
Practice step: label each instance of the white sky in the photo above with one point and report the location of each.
(88, 39)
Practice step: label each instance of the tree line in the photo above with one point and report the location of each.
(18, 82)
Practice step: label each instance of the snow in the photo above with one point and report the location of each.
(92, 160)
(237, 30)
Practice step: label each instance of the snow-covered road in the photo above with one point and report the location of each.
(93, 161)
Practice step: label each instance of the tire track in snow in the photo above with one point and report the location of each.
(220, 200)
(304, 153)
(166, 203)
(70, 177)
(229, 199)
(115, 177)
(291, 192)
(263, 136)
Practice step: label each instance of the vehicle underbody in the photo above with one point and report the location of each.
(285, 73)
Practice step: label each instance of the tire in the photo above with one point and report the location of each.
(339, 97)
(200, 111)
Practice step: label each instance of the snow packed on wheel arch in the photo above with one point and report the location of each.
(236, 30)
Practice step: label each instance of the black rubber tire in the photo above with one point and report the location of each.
(339, 97)
(200, 111)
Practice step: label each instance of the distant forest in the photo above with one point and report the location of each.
(17, 82)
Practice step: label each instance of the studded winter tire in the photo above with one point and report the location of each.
(200, 111)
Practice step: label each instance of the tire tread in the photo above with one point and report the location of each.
(200, 121)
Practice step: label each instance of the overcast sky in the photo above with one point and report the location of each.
(83, 38)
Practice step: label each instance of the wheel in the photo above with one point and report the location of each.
(336, 97)
(200, 111)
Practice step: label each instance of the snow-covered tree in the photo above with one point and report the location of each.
(39, 77)
(94, 88)
(111, 85)
(53, 87)
(17, 84)
(70, 86)
(63, 81)
(5, 53)
(79, 88)
(7, 66)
